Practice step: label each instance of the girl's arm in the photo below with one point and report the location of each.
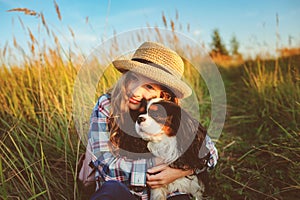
(111, 167)
(161, 175)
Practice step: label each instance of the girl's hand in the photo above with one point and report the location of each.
(161, 175)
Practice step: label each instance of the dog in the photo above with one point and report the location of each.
(177, 138)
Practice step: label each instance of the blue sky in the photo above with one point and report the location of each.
(252, 22)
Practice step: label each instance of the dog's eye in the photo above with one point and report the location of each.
(154, 113)
(158, 113)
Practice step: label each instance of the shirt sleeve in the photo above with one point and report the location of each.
(111, 167)
(130, 172)
(212, 162)
(98, 133)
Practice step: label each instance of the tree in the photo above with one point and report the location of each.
(217, 44)
(234, 46)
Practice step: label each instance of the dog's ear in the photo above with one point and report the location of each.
(190, 138)
(169, 114)
(187, 130)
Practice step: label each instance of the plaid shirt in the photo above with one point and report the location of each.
(110, 167)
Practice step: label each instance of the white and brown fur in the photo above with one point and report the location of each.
(177, 138)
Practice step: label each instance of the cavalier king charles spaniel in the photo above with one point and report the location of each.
(179, 140)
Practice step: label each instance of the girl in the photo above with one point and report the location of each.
(124, 166)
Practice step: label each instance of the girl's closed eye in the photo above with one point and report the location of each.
(150, 87)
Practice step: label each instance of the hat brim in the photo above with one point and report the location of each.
(176, 85)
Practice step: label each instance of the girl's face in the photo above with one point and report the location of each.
(140, 88)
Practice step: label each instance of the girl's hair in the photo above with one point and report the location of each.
(122, 120)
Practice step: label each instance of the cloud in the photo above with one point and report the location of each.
(85, 37)
(197, 32)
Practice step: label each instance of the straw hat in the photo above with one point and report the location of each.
(158, 63)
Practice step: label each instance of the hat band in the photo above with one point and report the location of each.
(147, 62)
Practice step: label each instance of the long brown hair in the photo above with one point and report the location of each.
(122, 120)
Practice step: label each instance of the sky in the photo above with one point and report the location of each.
(252, 22)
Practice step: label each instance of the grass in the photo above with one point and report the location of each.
(38, 148)
(259, 148)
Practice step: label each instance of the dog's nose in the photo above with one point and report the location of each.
(141, 119)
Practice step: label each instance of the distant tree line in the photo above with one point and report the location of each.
(219, 48)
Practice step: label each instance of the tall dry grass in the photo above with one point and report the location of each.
(276, 93)
(260, 153)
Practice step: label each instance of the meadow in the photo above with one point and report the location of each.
(259, 148)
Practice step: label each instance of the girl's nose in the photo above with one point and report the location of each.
(139, 92)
